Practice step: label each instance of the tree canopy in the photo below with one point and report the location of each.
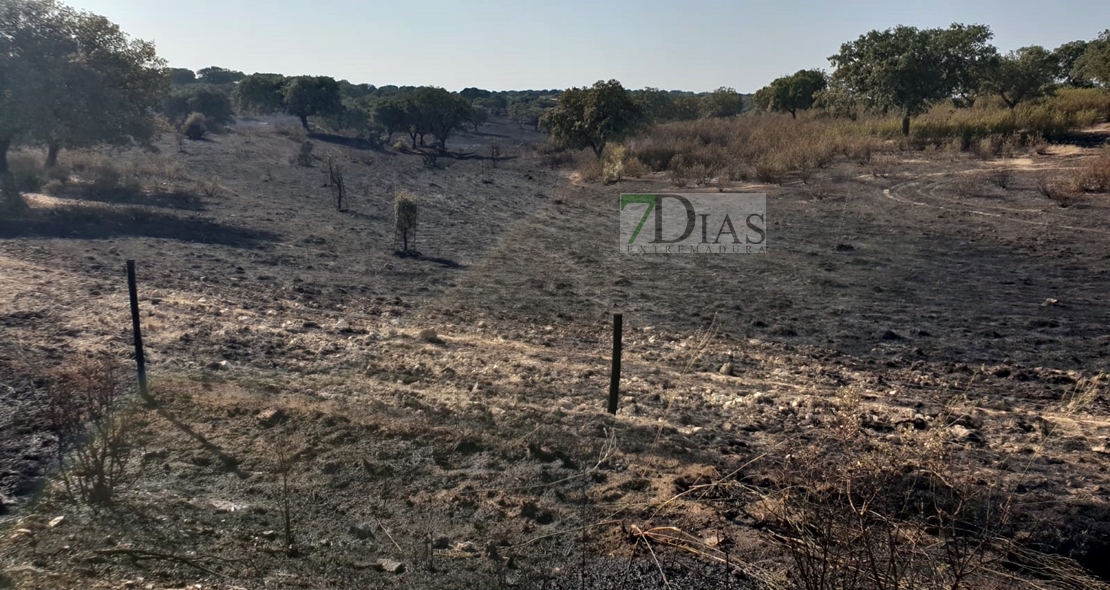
(722, 102)
(1024, 74)
(592, 117)
(73, 79)
(308, 96)
(1094, 64)
(789, 94)
(908, 69)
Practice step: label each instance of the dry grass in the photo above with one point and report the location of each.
(1094, 174)
(774, 146)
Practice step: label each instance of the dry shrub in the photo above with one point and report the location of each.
(209, 187)
(770, 169)
(589, 168)
(294, 132)
(967, 184)
(634, 168)
(886, 515)
(882, 166)
(1002, 177)
(1057, 190)
(553, 155)
(304, 155)
(1094, 174)
(95, 430)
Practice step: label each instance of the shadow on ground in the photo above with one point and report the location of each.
(95, 223)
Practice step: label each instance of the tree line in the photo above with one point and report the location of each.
(906, 70)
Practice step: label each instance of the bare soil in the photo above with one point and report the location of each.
(911, 294)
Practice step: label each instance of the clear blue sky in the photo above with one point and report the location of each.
(505, 44)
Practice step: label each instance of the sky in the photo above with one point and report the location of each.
(696, 45)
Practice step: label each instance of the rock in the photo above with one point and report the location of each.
(963, 434)
(268, 535)
(467, 547)
(223, 506)
(726, 369)
(1049, 302)
(362, 531)
(441, 542)
(271, 417)
(56, 521)
(845, 248)
(342, 324)
(5, 503)
(390, 566)
(892, 335)
(429, 335)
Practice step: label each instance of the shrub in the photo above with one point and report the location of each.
(95, 432)
(634, 168)
(613, 164)
(1055, 190)
(1094, 175)
(195, 126)
(1001, 177)
(209, 187)
(406, 215)
(589, 169)
(554, 155)
(304, 156)
(105, 176)
(27, 170)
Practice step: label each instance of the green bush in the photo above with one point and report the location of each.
(195, 127)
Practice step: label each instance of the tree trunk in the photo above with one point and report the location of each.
(52, 150)
(598, 149)
(9, 195)
(906, 125)
(304, 121)
(793, 113)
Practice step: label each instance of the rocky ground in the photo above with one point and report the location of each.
(439, 420)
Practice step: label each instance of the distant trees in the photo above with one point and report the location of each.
(1066, 55)
(789, 94)
(208, 100)
(309, 96)
(392, 114)
(72, 79)
(439, 112)
(907, 69)
(182, 76)
(300, 96)
(592, 117)
(260, 93)
(722, 102)
(1024, 74)
(218, 76)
